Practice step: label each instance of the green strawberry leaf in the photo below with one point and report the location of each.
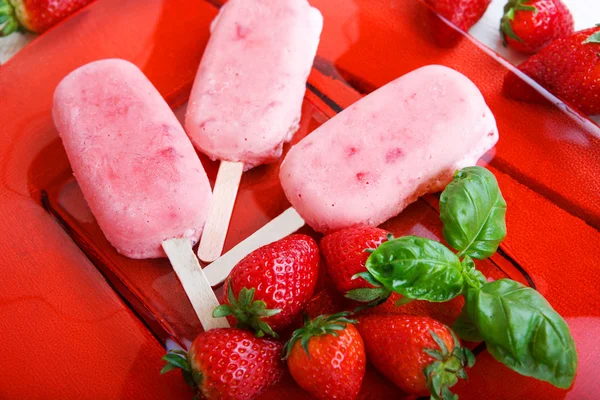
(439, 342)
(9, 27)
(367, 295)
(434, 353)
(262, 328)
(249, 313)
(321, 325)
(245, 297)
(168, 367)
(8, 20)
(177, 361)
(436, 378)
(266, 313)
(506, 26)
(447, 394)
(188, 378)
(402, 301)
(448, 367)
(510, 10)
(593, 38)
(469, 357)
(366, 275)
(373, 296)
(222, 311)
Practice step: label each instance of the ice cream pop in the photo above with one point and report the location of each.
(137, 169)
(369, 162)
(247, 96)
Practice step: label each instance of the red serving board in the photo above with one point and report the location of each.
(65, 325)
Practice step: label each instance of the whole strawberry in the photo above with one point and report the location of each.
(327, 357)
(462, 13)
(228, 364)
(569, 68)
(418, 354)
(530, 25)
(345, 253)
(35, 15)
(271, 285)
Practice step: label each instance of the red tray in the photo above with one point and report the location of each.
(59, 311)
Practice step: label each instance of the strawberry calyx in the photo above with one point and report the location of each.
(249, 313)
(371, 296)
(178, 359)
(510, 10)
(593, 38)
(448, 367)
(8, 19)
(321, 325)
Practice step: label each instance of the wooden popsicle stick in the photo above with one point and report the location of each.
(194, 282)
(217, 224)
(284, 224)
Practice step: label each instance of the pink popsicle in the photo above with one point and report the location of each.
(132, 159)
(406, 139)
(248, 91)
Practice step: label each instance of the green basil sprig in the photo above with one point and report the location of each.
(522, 331)
(473, 277)
(472, 209)
(418, 268)
(518, 325)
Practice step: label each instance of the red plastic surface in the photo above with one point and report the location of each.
(75, 339)
(66, 333)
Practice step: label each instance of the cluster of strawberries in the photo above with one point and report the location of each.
(566, 63)
(265, 295)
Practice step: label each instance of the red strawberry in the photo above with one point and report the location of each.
(418, 354)
(569, 67)
(462, 13)
(345, 253)
(530, 25)
(271, 285)
(228, 364)
(345, 256)
(327, 357)
(35, 15)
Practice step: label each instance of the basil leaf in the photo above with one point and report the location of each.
(465, 328)
(473, 277)
(473, 212)
(522, 331)
(417, 268)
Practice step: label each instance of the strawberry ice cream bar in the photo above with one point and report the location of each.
(247, 96)
(132, 159)
(404, 140)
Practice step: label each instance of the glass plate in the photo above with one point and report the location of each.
(547, 162)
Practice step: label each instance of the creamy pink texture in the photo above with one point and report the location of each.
(406, 139)
(136, 168)
(247, 96)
